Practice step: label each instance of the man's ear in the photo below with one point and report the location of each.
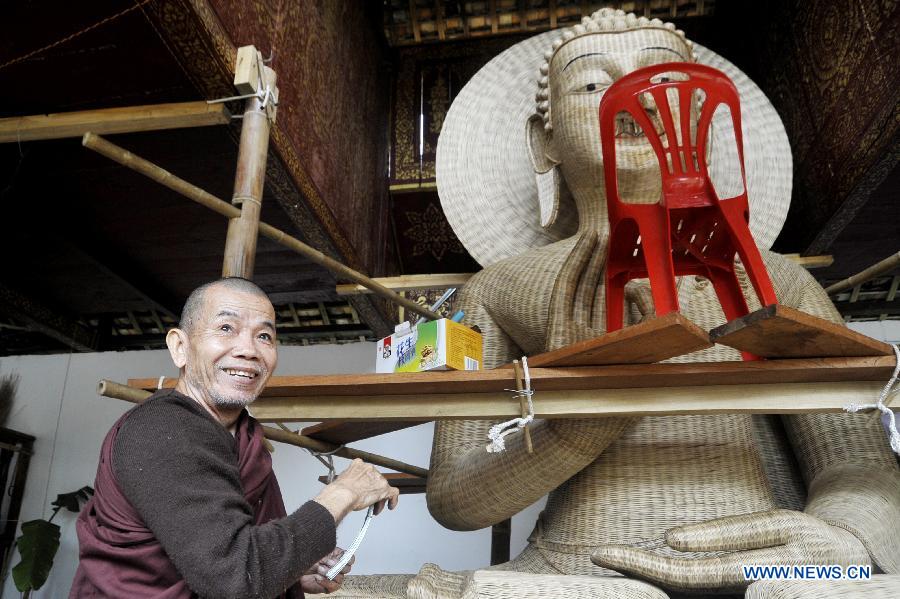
(545, 171)
(177, 342)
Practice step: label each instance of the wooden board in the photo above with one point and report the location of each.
(781, 332)
(779, 398)
(407, 483)
(622, 376)
(341, 433)
(651, 341)
(113, 120)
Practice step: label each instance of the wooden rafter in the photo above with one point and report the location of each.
(127, 274)
(43, 319)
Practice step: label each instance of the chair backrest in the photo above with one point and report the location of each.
(682, 160)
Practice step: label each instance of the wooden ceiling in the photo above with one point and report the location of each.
(100, 258)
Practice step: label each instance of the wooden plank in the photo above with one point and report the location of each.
(407, 483)
(779, 398)
(651, 341)
(341, 433)
(129, 119)
(407, 282)
(625, 376)
(246, 70)
(810, 262)
(780, 332)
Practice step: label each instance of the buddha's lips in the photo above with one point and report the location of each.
(630, 133)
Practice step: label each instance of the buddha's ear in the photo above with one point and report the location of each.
(545, 172)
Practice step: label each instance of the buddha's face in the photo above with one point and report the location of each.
(579, 73)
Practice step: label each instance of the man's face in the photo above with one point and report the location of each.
(231, 348)
(580, 72)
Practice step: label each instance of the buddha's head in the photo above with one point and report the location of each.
(564, 132)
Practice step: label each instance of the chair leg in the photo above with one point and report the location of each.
(615, 301)
(657, 247)
(731, 297)
(749, 253)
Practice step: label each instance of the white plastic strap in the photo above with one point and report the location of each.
(889, 416)
(499, 431)
(348, 554)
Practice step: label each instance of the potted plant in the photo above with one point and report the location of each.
(40, 540)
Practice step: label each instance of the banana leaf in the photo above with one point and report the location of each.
(37, 546)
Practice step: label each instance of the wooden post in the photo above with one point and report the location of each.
(249, 178)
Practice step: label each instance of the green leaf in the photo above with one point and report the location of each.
(72, 501)
(37, 546)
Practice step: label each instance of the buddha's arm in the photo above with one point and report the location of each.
(469, 488)
(852, 476)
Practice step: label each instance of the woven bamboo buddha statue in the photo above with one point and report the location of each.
(677, 501)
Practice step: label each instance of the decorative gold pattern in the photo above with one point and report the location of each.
(431, 233)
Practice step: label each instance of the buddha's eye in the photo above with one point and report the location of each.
(593, 87)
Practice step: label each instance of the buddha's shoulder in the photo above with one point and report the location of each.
(529, 271)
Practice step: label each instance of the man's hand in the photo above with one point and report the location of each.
(314, 580)
(775, 537)
(358, 487)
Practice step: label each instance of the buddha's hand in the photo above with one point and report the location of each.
(777, 537)
(577, 305)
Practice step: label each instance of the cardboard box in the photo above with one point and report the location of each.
(434, 345)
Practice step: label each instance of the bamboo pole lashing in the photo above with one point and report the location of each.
(115, 390)
(204, 198)
(523, 404)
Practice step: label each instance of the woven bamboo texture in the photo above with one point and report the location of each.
(676, 501)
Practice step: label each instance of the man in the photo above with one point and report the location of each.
(186, 503)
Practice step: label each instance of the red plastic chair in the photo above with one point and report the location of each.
(690, 230)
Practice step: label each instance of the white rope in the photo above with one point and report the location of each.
(264, 92)
(329, 462)
(893, 435)
(348, 554)
(498, 431)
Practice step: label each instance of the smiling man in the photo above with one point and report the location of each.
(186, 503)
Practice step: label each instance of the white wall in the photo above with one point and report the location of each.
(885, 330)
(57, 403)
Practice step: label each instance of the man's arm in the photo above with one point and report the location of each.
(176, 467)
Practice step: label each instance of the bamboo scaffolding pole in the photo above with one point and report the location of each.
(111, 389)
(204, 198)
(130, 119)
(886, 265)
(249, 179)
